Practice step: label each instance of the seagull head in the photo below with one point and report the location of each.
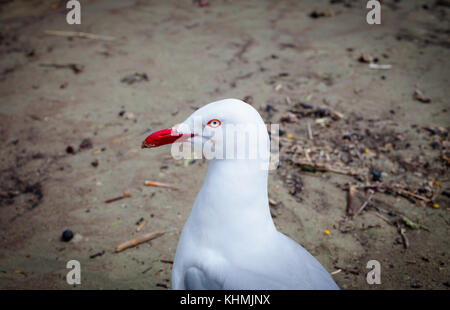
(225, 129)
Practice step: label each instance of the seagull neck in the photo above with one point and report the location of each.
(234, 196)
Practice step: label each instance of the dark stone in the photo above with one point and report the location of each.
(270, 108)
(70, 150)
(305, 105)
(86, 144)
(376, 175)
(67, 235)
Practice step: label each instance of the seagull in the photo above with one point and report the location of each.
(229, 240)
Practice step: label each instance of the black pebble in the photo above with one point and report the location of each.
(86, 144)
(121, 113)
(347, 137)
(435, 145)
(305, 105)
(67, 235)
(270, 108)
(70, 150)
(376, 175)
(322, 112)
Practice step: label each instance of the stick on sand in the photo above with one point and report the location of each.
(158, 184)
(139, 240)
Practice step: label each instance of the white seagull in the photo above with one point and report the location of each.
(229, 240)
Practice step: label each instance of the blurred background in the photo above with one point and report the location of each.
(363, 114)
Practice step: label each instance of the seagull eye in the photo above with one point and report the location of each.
(214, 123)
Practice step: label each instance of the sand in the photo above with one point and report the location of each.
(191, 56)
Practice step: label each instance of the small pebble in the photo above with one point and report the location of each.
(270, 108)
(70, 150)
(305, 105)
(86, 144)
(347, 137)
(67, 235)
(376, 175)
(435, 145)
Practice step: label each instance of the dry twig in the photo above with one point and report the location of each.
(139, 240)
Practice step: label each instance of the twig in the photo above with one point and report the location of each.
(404, 238)
(157, 184)
(413, 225)
(76, 68)
(364, 204)
(310, 135)
(97, 254)
(139, 240)
(336, 271)
(125, 195)
(355, 270)
(141, 225)
(395, 189)
(148, 269)
(325, 168)
(406, 193)
(78, 34)
(384, 218)
(351, 207)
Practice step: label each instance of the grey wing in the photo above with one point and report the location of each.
(234, 279)
(196, 279)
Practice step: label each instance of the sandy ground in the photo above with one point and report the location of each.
(272, 51)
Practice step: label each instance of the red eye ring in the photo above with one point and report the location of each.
(210, 123)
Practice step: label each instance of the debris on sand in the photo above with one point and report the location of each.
(289, 118)
(97, 254)
(130, 116)
(380, 66)
(317, 13)
(419, 96)
(248, 99)
(376, 175)
(67, 235)
(86, 144)
(125, 195)
(141, 225)
(366, 58)
(158, 184)
(141, 239)
(402, 232)
(135, 78)
(351, 203)
(76, 68)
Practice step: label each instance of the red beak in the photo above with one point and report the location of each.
(163, 137)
